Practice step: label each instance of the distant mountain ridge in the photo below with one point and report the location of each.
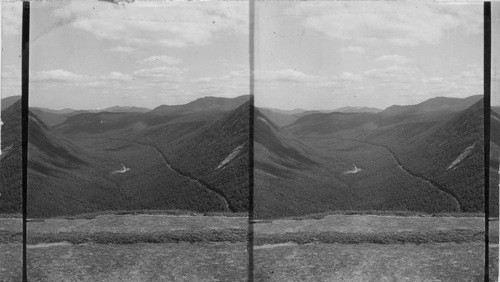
(203, 104)
(126, 109)
(357, 110)
(278, 117)
(287, 117)
(102, 122)
(324, 123)
(114, 109)
(346, 109)
(207, 104)
(436, 104)
(287, 112)
(59, 112)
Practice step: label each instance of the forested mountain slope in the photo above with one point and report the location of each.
(446, 149)
(103, 161)
(438, 143)
(215, 152)
(10, 160)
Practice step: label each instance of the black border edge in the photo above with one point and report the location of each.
(251, 45)
(24, 121)
(487, 114)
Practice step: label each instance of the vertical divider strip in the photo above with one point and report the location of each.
(487, 114)
(250, 145)
(24, 121)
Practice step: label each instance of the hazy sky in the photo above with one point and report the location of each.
(11, 48)
(97, 54)
(313, 55)
(495, 54)
(324, 55)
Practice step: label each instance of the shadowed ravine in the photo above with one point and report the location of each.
(199, 182)
(409, 172)
(187, 175)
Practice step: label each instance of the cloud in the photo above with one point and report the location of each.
(58, 76)
(162, 59)
(291, 77)
(349, 76)
(122, 49)
(395, 23)
(235, 82)
(394, 59)
(117, 76)
(12, 17)
(11, 72)
(393, 72)
(11, 80)
(286, 75)
(161, 74)
(170, 24)
(243, 73)
(404, 80)
(353, 49)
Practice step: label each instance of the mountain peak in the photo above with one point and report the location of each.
(436, 104)
(205, 104)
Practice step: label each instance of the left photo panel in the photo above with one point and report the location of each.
(138, 141)
(11, 206)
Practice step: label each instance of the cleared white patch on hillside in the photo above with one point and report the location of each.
(265, 172)
(123, 170)
(355, 170)
(2, 153)
(462, 156)
(34, 119)
(231, 156)
(264, 120)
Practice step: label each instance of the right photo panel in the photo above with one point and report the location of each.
(369, 141)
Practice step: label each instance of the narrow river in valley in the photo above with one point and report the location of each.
(409, 172)
(199, 182)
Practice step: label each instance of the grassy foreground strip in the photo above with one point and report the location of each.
(11, 215)
(190, 236)
(375, 212)
(7, 237)
(407, 237)
(93, 215)
(238, 235)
